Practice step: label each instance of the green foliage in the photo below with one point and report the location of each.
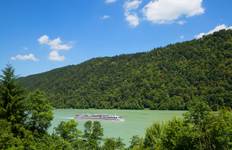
(52, 142)
(39, 112)
(20, 140)
(93, 130)
(219, 129)
(97, 131)
(93, 134)
(171, 134)
(199, 130)
(113, 144)
(68, 130)
(88, 129)
(153, 137)
(25, 118)
(12, 98)
(164, 78)
(198, 111)
(136, 143)
(7, 139)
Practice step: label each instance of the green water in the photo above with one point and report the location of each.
(136, 121)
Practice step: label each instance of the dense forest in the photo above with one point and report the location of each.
(163, 78)
(26, 116)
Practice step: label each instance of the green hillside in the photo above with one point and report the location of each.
(164, 78)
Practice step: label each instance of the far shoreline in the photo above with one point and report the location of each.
(147, 109)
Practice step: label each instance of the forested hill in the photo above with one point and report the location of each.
(164, 78)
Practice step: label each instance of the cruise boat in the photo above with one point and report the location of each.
(99, 117)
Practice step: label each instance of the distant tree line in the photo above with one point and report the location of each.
(25, 118)
(164, 78)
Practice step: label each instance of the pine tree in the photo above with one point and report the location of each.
(11, 98)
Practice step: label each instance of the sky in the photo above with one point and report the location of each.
(40, 35)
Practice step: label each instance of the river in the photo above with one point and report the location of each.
(135, 121)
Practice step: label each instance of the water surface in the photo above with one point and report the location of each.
(136, 121)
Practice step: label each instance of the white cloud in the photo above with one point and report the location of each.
(43, 39)
(26, 57)
(129, 12)
(166, 11)
(132, 4)
(216, 29)
(132, 19)
(55, 45)
(200, 35)
(105, 17)
(55, 56)
(110, 1)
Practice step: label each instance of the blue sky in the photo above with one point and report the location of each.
(39, 35)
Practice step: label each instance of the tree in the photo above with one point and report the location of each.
(52, 142)
(68, 130)
(136, 143)
(219, 130)
(153, 137)
(12, 98)
(88, 129)
(113, 144)
(93, 133)
(39, 112)
(7, 139)
(97, 131)
(198, 111)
